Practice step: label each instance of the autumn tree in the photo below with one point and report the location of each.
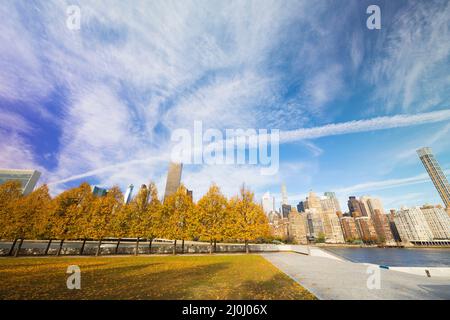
(248, 219)
(69, 210)
(138, 215)
(31, 216)
(100, 216)
(10, 194)
(179, 217)
(120, 224)
(152, 219)
(212, 215)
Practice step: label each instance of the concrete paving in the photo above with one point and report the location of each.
(333, 279)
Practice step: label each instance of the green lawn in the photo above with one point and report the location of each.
(146, 277)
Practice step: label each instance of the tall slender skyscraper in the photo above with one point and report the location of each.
(284, 196)
(436, 174)
(173, 178)
(127, 197)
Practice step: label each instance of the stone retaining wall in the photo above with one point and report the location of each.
(128, 248)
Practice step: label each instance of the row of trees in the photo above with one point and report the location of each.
(78, 214)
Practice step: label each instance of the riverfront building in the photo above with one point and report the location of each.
(349, 229)
(412, 226)
(366, 229)
(438, 221)
(356, 208)
(27, 178)
(298, 227)
(382, 227)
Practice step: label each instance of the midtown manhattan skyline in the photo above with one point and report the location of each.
(99, 104)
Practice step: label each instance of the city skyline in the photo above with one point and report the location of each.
(352, 113)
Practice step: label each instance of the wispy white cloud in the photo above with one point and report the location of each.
(386, 184)
(411, 73)
(379, 123)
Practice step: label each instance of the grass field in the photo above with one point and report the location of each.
(146, 277)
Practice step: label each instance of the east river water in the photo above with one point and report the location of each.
(396, 257)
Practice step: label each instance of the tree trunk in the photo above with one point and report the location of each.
(246, 247)
(117, 246)
(99, 248)
(11, 250)
(82, 247)
(150, 246)
(137, 247)
(48, 247)
(18, 248)
(182, 246)
(215, 245)
(210, 246)
(175, 247)
(60, 247)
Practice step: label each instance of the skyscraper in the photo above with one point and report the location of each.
(284, 197)
(436, 174)
(268, 203)
(27, 178)
(354, 205)
(173, 178)
(127, 197)
(99, 192)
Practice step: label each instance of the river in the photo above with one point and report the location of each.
(396, 257)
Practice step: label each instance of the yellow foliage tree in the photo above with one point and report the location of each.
(152, 219)
(10, 224)
(103, 210)
(138, 215)
(69, 211)
(179, 217)
(212, 215)
(248, 219)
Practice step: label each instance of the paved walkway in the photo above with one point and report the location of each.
(332, 279)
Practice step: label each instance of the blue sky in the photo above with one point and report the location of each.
(99, 104)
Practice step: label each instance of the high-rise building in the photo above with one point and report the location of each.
(312, 201)
(354, 205)
(438, 221)
(321, 217)
(298, 227)
(349, 229)
(412, 225)
(436, 174)
(128, 194)
(331, 197)
(173, 178)
(382, 227)
(301, 207)
(366, 229)
(284, 196)
(99, 192)
(394, 230)
(285, 210)
(268, 203)
(27, 178)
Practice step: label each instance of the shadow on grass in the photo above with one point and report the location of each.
(278, 287)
